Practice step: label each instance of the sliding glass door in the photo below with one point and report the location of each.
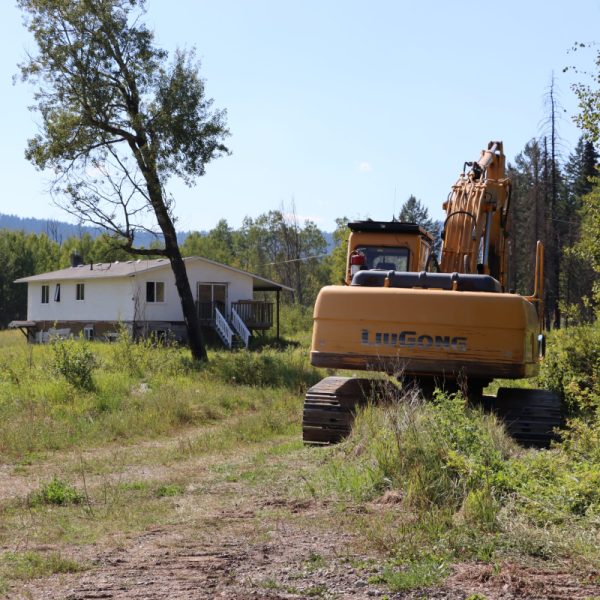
(211, 296)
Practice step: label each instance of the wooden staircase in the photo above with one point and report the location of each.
(232, 332)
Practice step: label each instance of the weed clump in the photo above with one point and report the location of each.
(268, 368)
(138, 357)
(437, 453)
(168, 490)
(413, 574)
(31, 565)
(562, 485)
(56, 492)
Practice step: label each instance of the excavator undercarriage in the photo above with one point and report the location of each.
(531, 417)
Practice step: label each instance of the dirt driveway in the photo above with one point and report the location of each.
(243, 531)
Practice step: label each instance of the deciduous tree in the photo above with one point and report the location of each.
(117, 122)
(275, 245)
(336, 261)
(218, 244)
(588, 119)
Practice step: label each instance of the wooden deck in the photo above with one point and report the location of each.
(256, 314)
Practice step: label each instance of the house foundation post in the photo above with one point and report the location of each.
(278, 292)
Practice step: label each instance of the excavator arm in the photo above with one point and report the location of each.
(476, 225)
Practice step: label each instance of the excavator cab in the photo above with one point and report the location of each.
(387, 246)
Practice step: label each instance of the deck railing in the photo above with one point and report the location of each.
(255, 313)
(206, 311)
(223, 329)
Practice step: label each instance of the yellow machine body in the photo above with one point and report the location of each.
(460, 321)
(425, 332)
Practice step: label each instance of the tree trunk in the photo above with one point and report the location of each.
(554, 212)
(190, 314)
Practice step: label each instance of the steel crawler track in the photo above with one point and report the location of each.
(531, 417)
(330, 405)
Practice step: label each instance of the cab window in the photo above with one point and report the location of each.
(424, 255)
(387, 259)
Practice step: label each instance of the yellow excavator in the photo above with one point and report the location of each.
(452, 325)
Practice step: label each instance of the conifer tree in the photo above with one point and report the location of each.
(578, 274)
(414, 211)
(528, 215)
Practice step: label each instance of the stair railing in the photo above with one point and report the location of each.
(222, 326)
(240, 327)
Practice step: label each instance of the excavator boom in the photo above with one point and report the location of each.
(476, 224)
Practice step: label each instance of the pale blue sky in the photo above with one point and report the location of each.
(345, 107)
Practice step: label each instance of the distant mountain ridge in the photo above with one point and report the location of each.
(60, 230)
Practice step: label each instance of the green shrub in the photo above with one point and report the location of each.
(572, 368)
(550, 488)
(581, 441)
(565, 483)
(74, 360)
(435, 452)
(296, 319)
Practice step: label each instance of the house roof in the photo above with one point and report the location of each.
(131, 268)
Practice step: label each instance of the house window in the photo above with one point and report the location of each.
(57, 293)
(80, 291)
(155, 291)
(45, 294)
(88, 332)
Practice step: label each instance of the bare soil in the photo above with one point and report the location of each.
(227, 562)
(239, 540)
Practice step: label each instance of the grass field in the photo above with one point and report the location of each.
(103, 443)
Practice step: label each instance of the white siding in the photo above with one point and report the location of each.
(239, 284)
(239, 288)
(170, 309)
(124, 298)
(105, 300)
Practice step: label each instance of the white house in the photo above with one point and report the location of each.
(141, 294)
